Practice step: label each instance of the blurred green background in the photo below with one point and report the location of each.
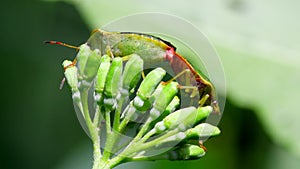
(258, 44)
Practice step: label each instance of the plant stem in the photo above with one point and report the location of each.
(139, 146)
(118, 113)
(93, 129)
(142, 130)
(128, 115)
(147, 136)
(108, 142)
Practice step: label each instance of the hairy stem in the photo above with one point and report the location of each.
(93, 129)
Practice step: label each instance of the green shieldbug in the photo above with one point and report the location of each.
(153, 50)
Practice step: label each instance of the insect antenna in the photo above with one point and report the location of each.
(72, 64)
(61, 44)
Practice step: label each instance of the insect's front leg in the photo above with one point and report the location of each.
(109, 52)
(71, 64)
(188, 88)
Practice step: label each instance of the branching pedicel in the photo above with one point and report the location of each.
(130, 117)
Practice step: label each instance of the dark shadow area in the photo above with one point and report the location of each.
(37, 120)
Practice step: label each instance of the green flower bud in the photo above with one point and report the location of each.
(147, 87)
(82, 57)
(71, 75)
(101, 78)
(203, 112)
(88, 63)
(141, 105)
(185, 152)
(72, 79)
(102, 73)
(150, 82)
(179, 117)
(112, 83)
(183, 118)
(132, 72)
(190, 152)
(163, 99)
(203, 130)
(172, 106)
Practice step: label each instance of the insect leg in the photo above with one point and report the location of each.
(187, 88)
(203, 100)
(177, 76)
(109, 51)
(143, 75)
(72, 64)
(202, 146)
(126, 58)
(61, 85)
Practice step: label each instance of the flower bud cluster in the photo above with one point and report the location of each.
(122, 97)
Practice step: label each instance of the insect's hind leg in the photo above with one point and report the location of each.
(187, 87)
(177, 76)
(194, 89)
(203, 100)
